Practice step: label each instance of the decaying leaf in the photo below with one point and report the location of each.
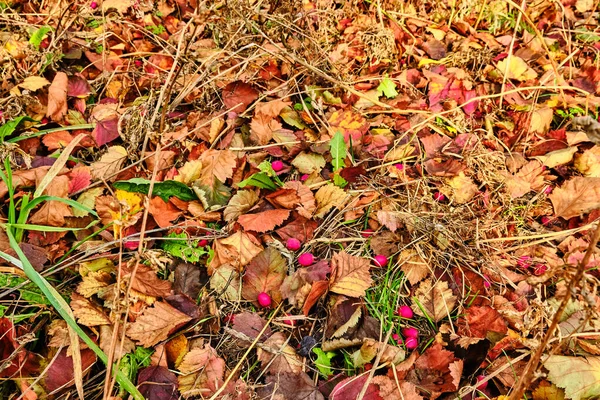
(265, 273)
(156, 323)
(576, 196)
(435, 299)
(349, 275)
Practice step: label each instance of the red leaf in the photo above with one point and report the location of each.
(351, 387)
(238, 95)
(265, 273)
(317, 290)
(57, 97)
(80, 179)
(60, 373)
(300, 228)
(163, 212)
(78, 87)
(106, 130)
(158, 383)
(484, 319)
(24, 363)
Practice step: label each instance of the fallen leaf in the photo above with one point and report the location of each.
(239, 204)
(164, 213)
(541, 120)
(307, 163)
(203, 372)
(460, 189)
(156, 324)
(277, 356)
(588, 163)
(86, 312)
(516, 68)
(78, 87)
(238, 249)
(350, 123)
(413, 265)
(109, 164)
(576, 196)
(272, 108)
(57, 97)
(265, 273)
(80, 178)
(579, 376)
(53, 212)
(146, 281)
(484, 319)
(226, 282)
(238, 96)
(349, 275)
(157, 383)
(435, 298)
(262, 128)
(351, 387)
(106, 342)
(263, 221)
(22, 364)
(34, 83)
(558, 157)
(60, 373)
(187, 279)
(289, 386)
(327, 197)
(307, 203)
(390, 390)
(217, 164)
(251, 324)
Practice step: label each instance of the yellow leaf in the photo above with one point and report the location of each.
(34, 83)
(516, 68)
(190, 172)
(349, 275)
(413, 265)
(86, 312)
(558, 157)
(579, 376)
(588, 163)
(460, 189)
(541, 120)
(109, 164)
(327, 197)
(307, 163)
(436, 299)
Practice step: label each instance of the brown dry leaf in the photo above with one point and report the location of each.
(263, 221)
(106, 335)
(390, 219)
(371, 347)
(530, 177)
(203, 372)
(240, 203)
(548, 391)
(238, 249)
(327, 197)
(146, 281)
(307, 204)
(238, 95)
(388, 389)
(413, 265)
(156, 324)
(588, 163)
(120, 5)
(87, 313)
(190, 172)
(460, 189)
(576, 196)
(109, 164)
(265, 273)
(164, 213)
(53, 212)
(272, 108)
(284, 198)
(436, 299)
(349, 275)
(217, 164)
(226, 281)
(541, 120)
(57, 97)
(93, 282)
(281, 357)
(262, 128)
(558, 157)
(34, 83)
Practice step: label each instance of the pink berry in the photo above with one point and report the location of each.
(405, 312)
(486, 283)
(411, 343)
(367, 233)
(93, 5)
(293, 244)
(381, 260)
(437, 196)
(481, 386)
(546, 220)
(399, 166)
(524, 262)
(304, 177)
(264, 300)
(138, 63)
(202, 243)
(395, 336)
(548, 190)
(277, 165)
(410, 332)
(289, 322)
(306, 259)
(539, 269)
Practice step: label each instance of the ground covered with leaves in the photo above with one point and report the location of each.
(299, 199)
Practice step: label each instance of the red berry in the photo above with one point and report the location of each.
(395, 336)
(290, 322)
(539, 269)
(405, 312)
(410, 332)
(264, 300)
(229, 318)
(368, 366)
(367, 233)
(138, 63)
(411, 343)
(546, 220)
(306, 259)
(437, 196)
(202, 243)
(381, 260)
(486, 282)
(93, 5)
(277, 165)
(304, 177)
(399, 166)
(293, 244)
(483, 385)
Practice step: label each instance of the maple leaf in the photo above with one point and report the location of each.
(163, 212)
(349, 275)
(436, 299)
(156, 324)
(263, 221)
(109, 164)
(577, 196)
(239, 95)
(157, 383)
(60, 373)
(57, 140)
(240, 203)
(203, 372)
(327, 197)
(57, 97)
(579, 376)
(413, 265)
(86, 312)
(265, 273)
(281, 357)
(53, 212)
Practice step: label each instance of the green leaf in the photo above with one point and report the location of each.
(29, 292)
(185, 249)
(337, 148)
(579, 376)
(36, 37)
(164, 189)
(217, 195)
(388, 88)
(323, 361)
(260, 180)
(8, 128)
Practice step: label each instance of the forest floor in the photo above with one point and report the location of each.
(309, 199)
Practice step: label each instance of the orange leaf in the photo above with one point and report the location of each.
(262, 128)
(163, 212)
(203, 372)
(317, 290)
(57, 97)
(217, 164)
(147, 282)
(349, 275)
(53, 213)
(263, 221)
(576, 196)
(238, 95)
(57, 140)
(156, 324)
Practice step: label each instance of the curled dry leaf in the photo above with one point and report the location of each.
(349, 275)
(156, 324)
(435, 298)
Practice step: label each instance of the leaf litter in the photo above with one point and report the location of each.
(239, 152)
